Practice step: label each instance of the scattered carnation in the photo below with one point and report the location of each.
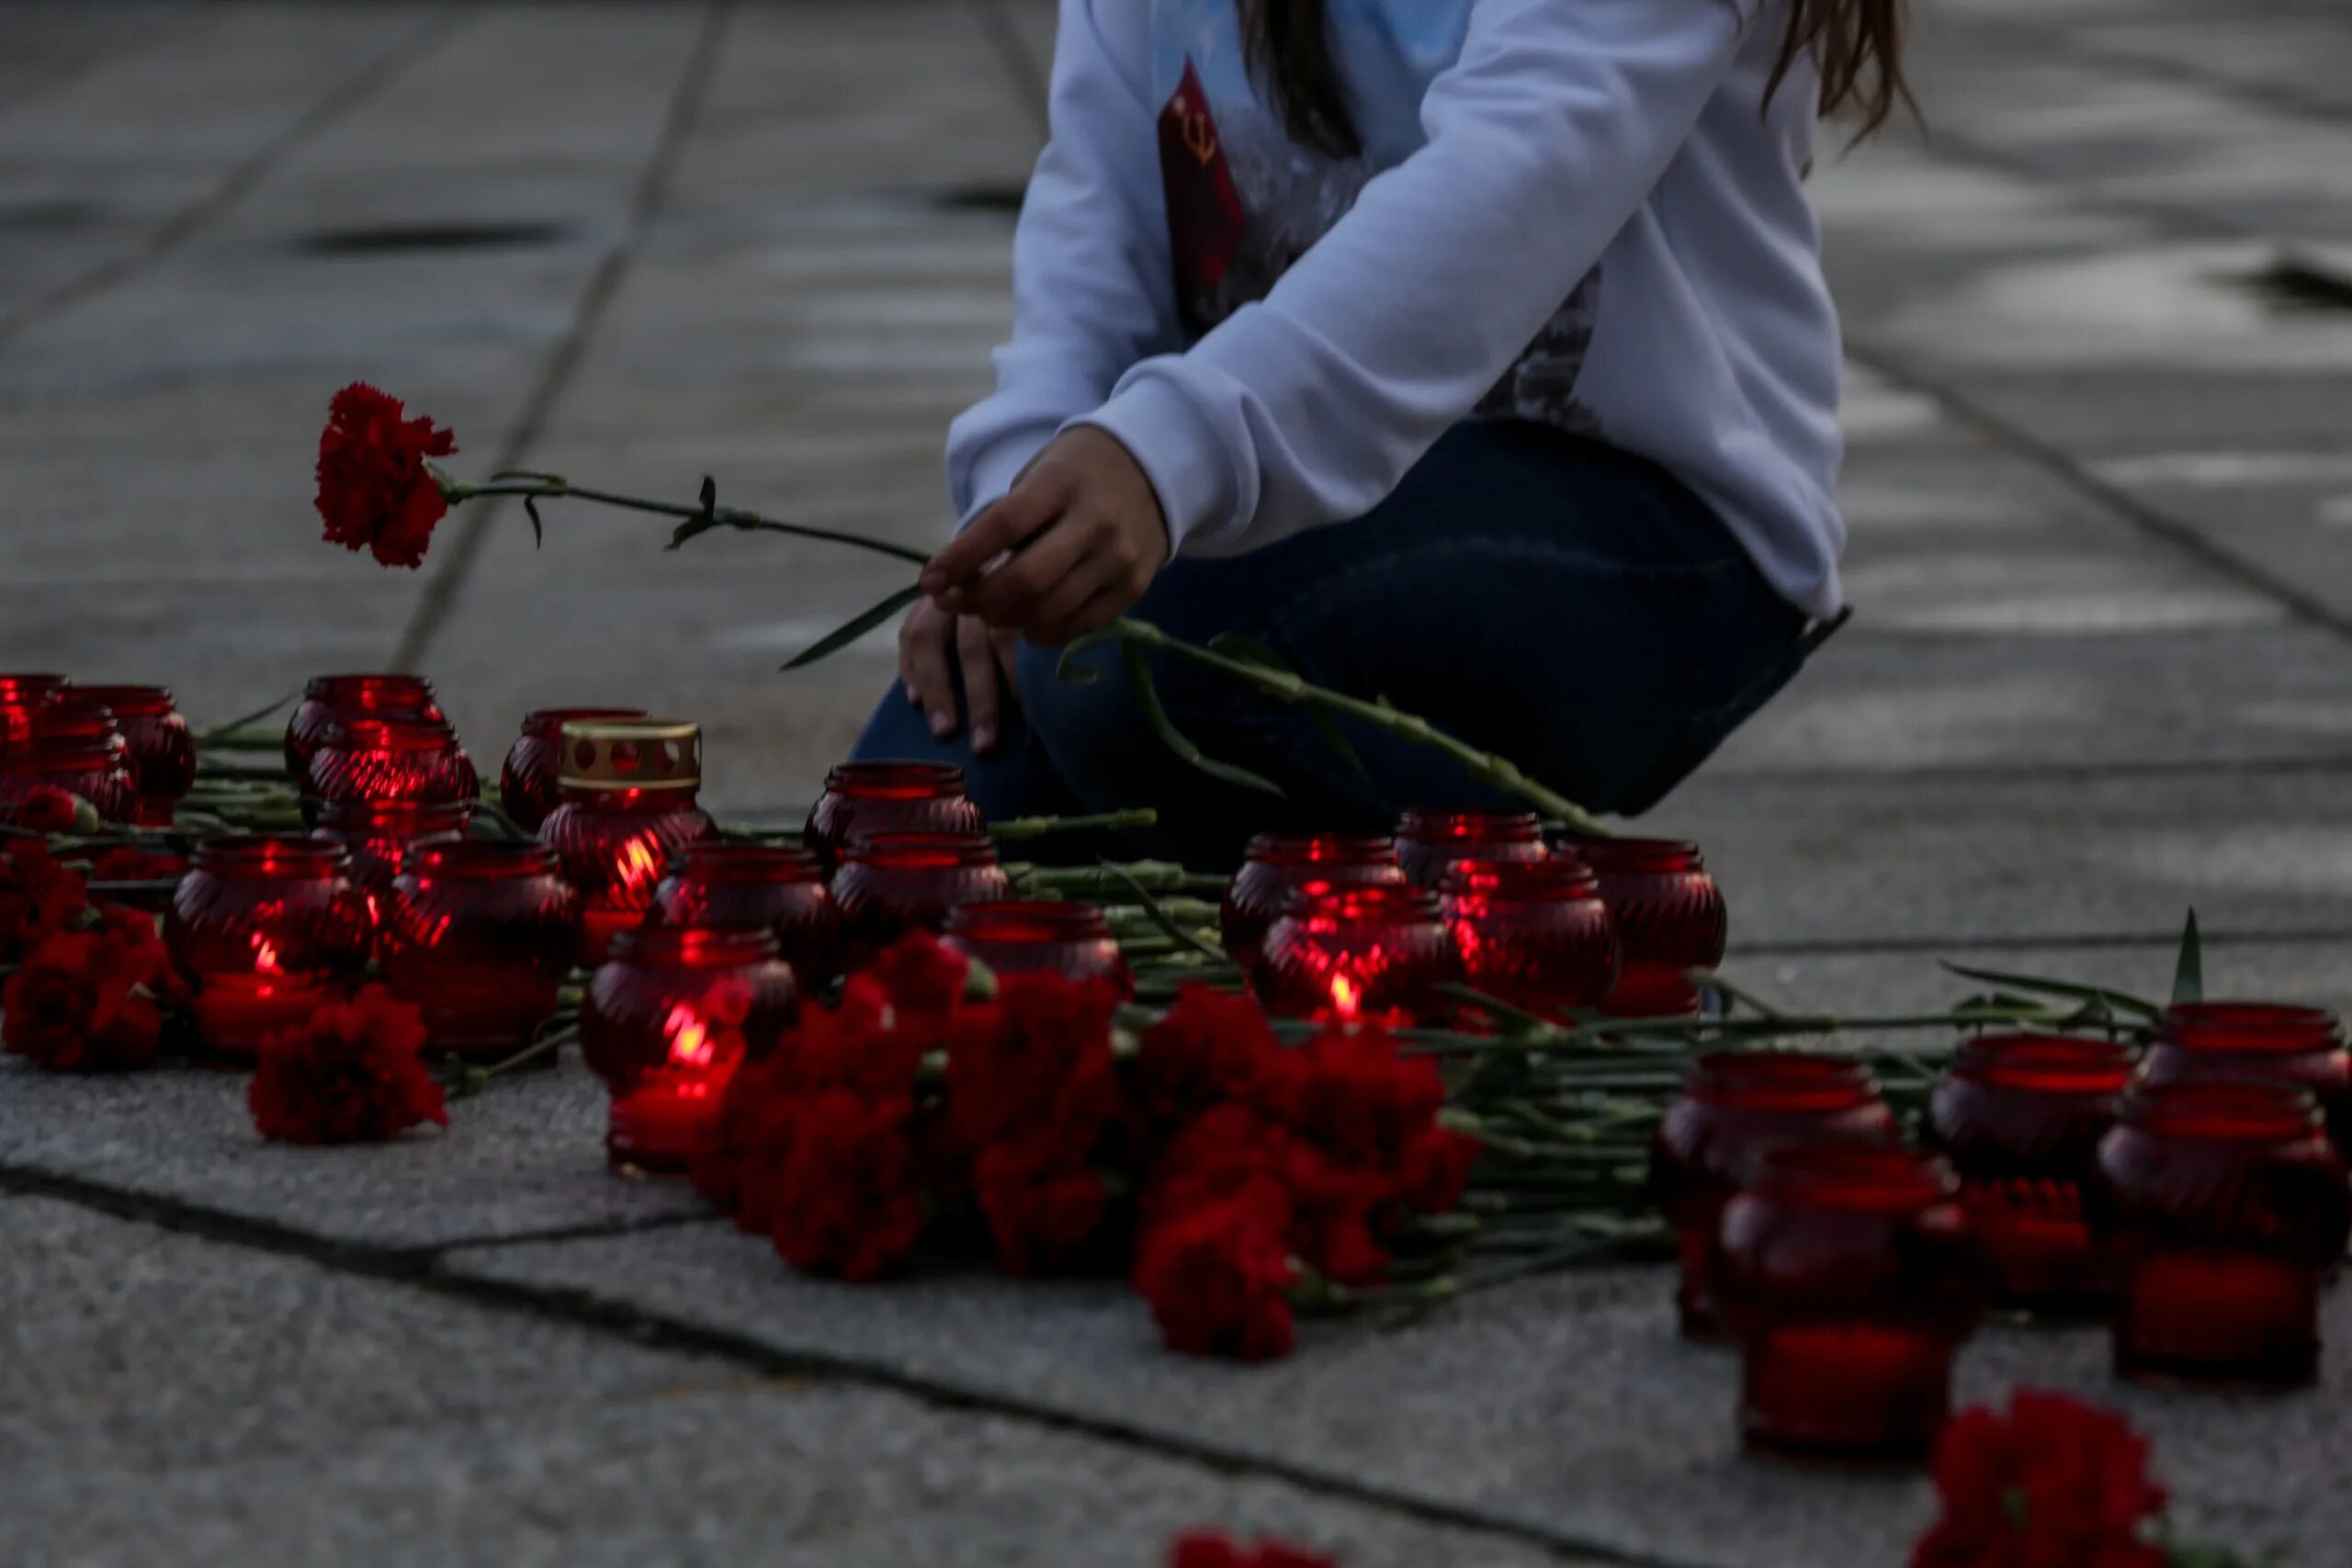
(2053, 1482)
(128, 863)
(351, 1075)
(90, 1001)
(923, 978)
(1207, 1050)
(47, 809)
(38, 897)
(375, 491)
(1207, 1549)
(848, 1197)
(1219, 1277)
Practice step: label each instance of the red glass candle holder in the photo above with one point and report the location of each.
(480, 936)
(626, 809)
(1277, 865)
(91, 767)
(890, 884)
(665, 1022)
(867, 798)
(266, 927)
(390, 759)
(382, 834)
(2223, 1203)
(1670, 919)
(1847, 1272)
(1735, 1103)
(1359, 952)
(2020, 1117)
(331, 700)
(1534, 932)
(1428, 843)
(161, 752)
(1020, 936)
(529, 781)
(778, 887)
(2270, 1042)
(20, 690)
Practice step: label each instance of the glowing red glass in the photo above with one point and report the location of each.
(2271, 1041)
(161, 752)
(1670, 919)
(1340, 955)
(390, 759)
(1732, 1105)
(1277, 865)
(529, 784)
(1533, 933)
(614, 845)
(890, 884)
(480, 936)
(778, 887)
(266, 927)
(1025, 936)
(91, 767)
(665, 1022)
(2020, 1117)
(331, 700)
(2223, 1203)
(381, 834)
(1428, 843)
(867, 798)
(1847, 1274)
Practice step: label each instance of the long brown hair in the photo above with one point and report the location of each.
(1857, 46)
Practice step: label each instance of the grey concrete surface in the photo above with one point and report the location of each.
(2100, 371)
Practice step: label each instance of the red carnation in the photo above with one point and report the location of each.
(128, 862)
(1042, 1213)
(374, 487)
(846, 1193)
(1035, 1065)
(1353, 1094)
(47, 809)
(37, 897)
(1206, 1548)
(86, 1001)
(350, 1075)
(923, 978)
(1209, 1048)
(2054, 1484)
(1216, 1277)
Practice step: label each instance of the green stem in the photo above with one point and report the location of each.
(1039, 827)
(555, 488)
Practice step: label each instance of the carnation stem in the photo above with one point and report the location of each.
(697, 519)
(1039, 827)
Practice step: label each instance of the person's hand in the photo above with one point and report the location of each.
(928, 638)
(1077, 540)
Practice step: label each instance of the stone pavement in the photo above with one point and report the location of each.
(2101, 322)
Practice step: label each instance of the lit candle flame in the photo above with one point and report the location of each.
(265, 955)
(689, 1037)
(1346, 998)
(638, 865)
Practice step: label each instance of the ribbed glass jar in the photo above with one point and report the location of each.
(480, 936)
(161, 752)
(1670, 919)
(1020, 936)
(2272, 1042)
(1428, 843)
(890, 884)
(779, 886)
(1374, 953)
(264, 928)
(331, 700)
(381, 834)
(864, 798)
(1276, 865)
(529, 780)
(1534, 932)
(626, 809)
(389, 759)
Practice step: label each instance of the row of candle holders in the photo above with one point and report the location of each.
(126, 749)
(2191, 1193)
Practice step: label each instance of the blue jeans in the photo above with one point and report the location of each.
(1544, 597)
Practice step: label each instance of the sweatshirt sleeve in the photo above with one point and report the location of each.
(1093, 293)
(1542, 140)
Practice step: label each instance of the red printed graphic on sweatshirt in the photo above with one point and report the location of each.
(1204, 214)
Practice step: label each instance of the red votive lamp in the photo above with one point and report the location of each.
(1533, 933)
(20, 690)
(331, 700)
(890, 884)
(1018, 936)
(1277, 865)
(266, 927)
(1344, 953)
(1430, 842)
(161, 752)
(2223, 1203)
(480, 936)
(665, 1022)
(2020, 1117)
(865, 798)
(1846, 1273)
(1670, 920)
(2272, 1042)
(389, 759)
(381, 834)
(529, 780)
(73, 744)
(1732, 1104)
(779, 886)
(626, 808)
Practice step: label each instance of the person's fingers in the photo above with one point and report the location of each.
(1027, 507)
(1105, 606)
(982, 683)
(1054, 608)
(1008, 595)
(1006, 645)
(923, 666)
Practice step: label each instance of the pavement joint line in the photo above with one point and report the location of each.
(2274, 97)
(2065, 941)
(1029, 77)
(421, 1267)
(471, 532)
(129, 41)
(341, 97)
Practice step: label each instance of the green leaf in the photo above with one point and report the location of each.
(1139, 679)
(1250, 650)
(539, 474)
(2120, 1001)
(2189, 969)
(538, 532)
(832, 642)
(1067, 668)
(1158, 916)
(710, 496)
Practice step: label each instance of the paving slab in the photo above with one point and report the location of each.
(1566, 1405)
(524, 1156)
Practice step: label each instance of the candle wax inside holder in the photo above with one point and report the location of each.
(655, 1126)
(1850, 1390)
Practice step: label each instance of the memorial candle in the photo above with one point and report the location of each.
(160, 751)
(530, 781)
(628, 807)
(865, 798)
(1429, 843)
(264, 928)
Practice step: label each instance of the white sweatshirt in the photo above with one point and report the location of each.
(1576, 211)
